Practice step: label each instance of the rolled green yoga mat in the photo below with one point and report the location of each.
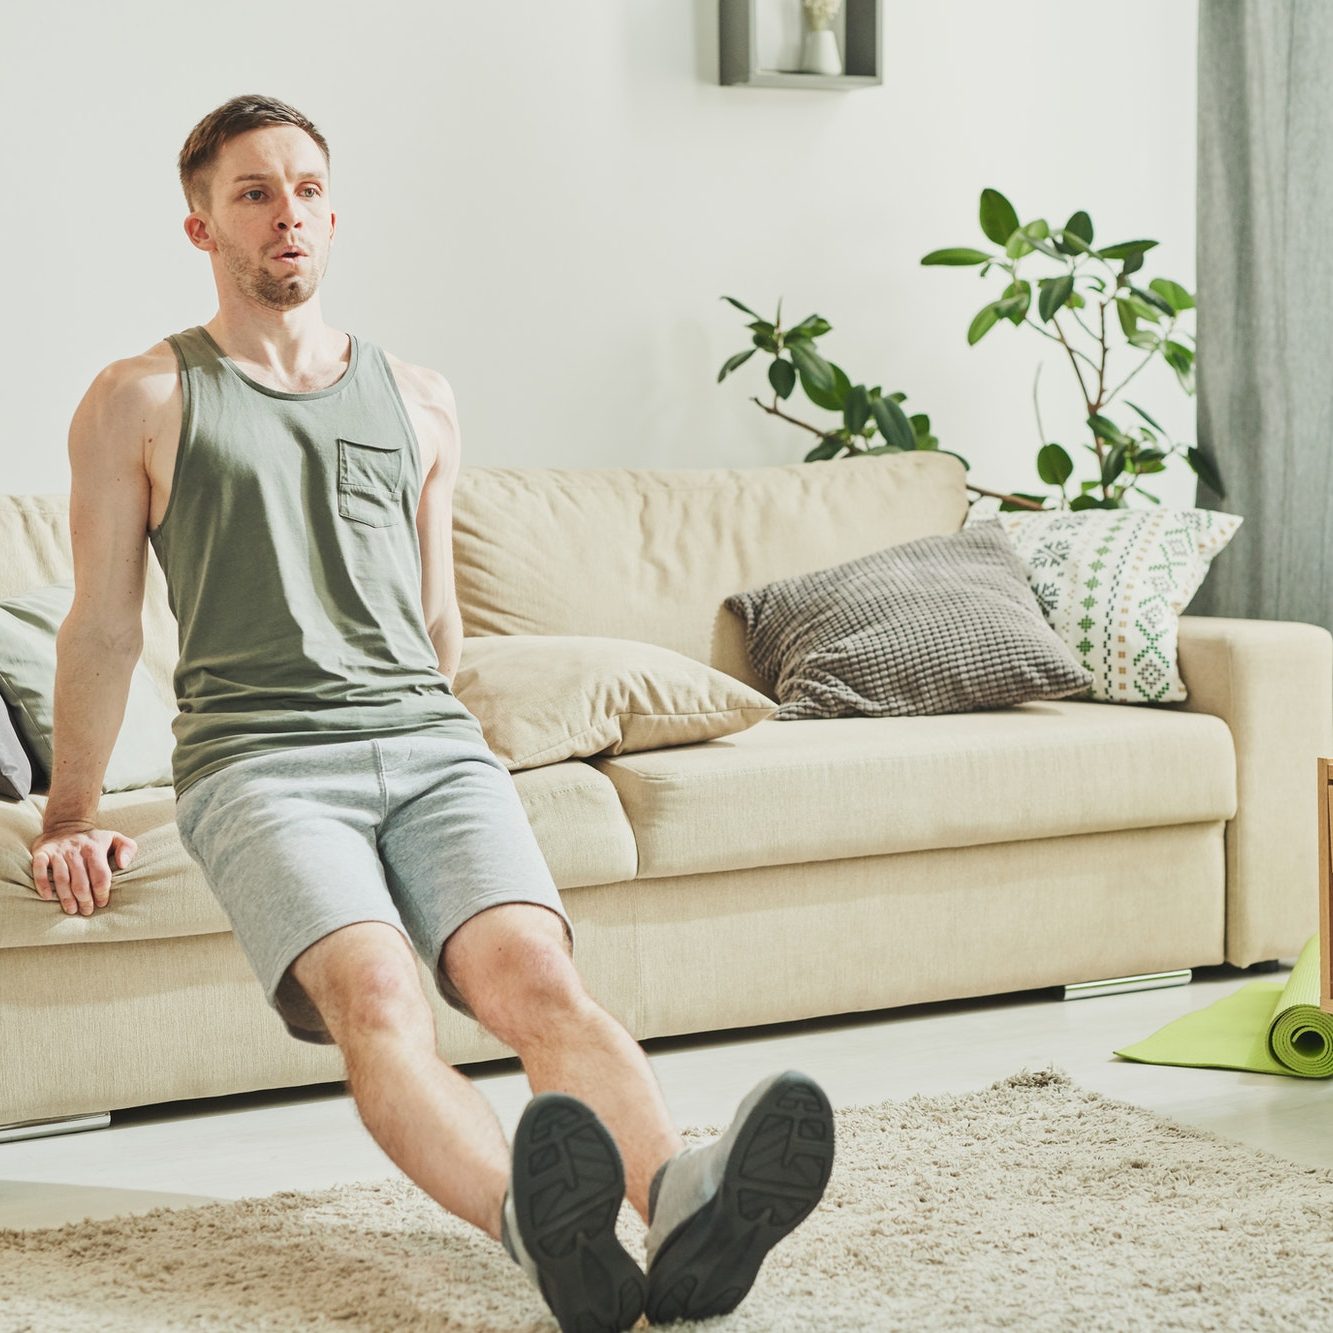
(1267, 1027)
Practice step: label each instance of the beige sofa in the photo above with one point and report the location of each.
(793, 869)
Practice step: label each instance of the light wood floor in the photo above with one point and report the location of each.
(187, 1153)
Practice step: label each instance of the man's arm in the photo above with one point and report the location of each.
(100, 640)
(435, 526)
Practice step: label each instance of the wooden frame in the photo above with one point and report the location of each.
(1325, 885)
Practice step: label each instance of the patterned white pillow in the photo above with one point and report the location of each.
(1112, 583)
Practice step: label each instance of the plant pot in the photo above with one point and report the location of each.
(819, 53)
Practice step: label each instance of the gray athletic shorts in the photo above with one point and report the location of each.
(420, 831)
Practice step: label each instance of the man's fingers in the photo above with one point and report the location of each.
(41, 876)
(78, 882)
(98, 872)
(60, 878)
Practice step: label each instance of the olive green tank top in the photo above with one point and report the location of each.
(292, 565)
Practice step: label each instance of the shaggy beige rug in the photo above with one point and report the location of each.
(1033, 1204)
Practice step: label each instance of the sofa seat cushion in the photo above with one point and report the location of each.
(816, 790)
(574, 811)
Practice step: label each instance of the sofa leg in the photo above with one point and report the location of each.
(66, 1124)
(1083, 990)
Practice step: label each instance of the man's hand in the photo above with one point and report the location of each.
(76, 861)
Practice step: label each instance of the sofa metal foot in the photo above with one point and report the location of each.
(66, 1124)
(1083, 990)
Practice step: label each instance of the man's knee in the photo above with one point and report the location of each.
(513, 964)
(362, 978)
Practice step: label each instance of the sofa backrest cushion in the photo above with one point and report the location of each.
(651, 554)
(35, 551)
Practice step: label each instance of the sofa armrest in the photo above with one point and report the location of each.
(1271, 682)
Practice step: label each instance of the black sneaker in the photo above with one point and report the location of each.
(566, 1187)
(717, 1208)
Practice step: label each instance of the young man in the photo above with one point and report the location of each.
(296, 485)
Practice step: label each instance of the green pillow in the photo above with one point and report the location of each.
(141, 756)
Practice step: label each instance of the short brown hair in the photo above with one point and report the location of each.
(247, 112)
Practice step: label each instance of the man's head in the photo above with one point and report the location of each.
(255, 173)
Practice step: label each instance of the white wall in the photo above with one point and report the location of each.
(546, 201)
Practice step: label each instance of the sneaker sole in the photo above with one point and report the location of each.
(773, 1179)
(568, 1185)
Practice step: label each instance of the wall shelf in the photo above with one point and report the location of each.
(739, 49)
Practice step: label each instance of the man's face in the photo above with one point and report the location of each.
(270, 193)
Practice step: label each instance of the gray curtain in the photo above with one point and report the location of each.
(1265, 294)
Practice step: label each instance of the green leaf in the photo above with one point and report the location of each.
(1008, 507)
(1081, 225)
(1146, 457)
(831, 400)
(982, 323)
(777, 319)
(957, 255)
(893, 422)
(1129, 324)
(1153, 299)
(761, 326)
(920, 424)
(1145, 416)
(1113, 464)
(898, 396)
(1145, 339)
(812, 326)
(856, 409)
(1173, 293)
(1054, 293)
(1123, 249)
(1014, 304)
(1107, 429)
(828, 447)
(1131, 265)
(1085, 502)
(1018, 245)
(1037, 230)
(1142, 308)
(1204, 466)
(998, 219)
(1076, 301)
(739, 306)
(782, 376)
(733, 361)
(1054, 466)
(1178, 356)
(814, 370)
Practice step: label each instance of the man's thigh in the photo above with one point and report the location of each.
(457, 842)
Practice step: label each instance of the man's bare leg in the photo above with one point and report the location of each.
(431, 1120)
(512, 964)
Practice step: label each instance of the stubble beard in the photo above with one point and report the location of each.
(259, 284)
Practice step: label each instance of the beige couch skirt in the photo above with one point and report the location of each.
(762, 945)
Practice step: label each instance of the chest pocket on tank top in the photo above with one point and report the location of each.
(370, 482)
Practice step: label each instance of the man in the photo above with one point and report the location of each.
(296, 485)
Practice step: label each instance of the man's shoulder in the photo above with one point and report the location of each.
(145, 380)
(428, 387)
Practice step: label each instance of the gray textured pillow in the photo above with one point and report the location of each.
(938, 625)
(141, 755)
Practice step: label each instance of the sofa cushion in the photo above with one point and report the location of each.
(650, 553)
(785, 792)
(16, 767)
(29, 625)
(541, 698)
(35, 550)
(941, 624)
(1113, 584)
(574, 811)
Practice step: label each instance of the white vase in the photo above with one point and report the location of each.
(819, 52)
